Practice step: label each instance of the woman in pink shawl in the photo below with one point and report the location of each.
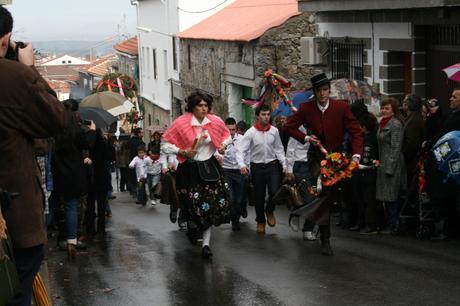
(203, 193)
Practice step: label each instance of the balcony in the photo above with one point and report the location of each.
(365, 5)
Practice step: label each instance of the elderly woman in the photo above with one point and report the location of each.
(391, 175)
(195, 137)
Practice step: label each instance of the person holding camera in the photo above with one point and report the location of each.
(29, 110)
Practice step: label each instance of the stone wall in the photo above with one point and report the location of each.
(279, 49)
(204, 68)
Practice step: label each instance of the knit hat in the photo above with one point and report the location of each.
(414, 103)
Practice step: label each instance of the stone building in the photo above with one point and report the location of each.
(226, 54)
(406, 43)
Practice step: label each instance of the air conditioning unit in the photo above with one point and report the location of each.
(313, 50)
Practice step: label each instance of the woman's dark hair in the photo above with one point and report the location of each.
(262, 108)
(66, 139)
(195, 98)
(394, 103)
(6, 21)
(369, 121)
(156, 133)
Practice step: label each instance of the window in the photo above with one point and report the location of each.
(148, 63)
(143, 62)
(150, 119)
(165, 65)
(174, 53)
(69, 62)
(154, 53)
(189, 57)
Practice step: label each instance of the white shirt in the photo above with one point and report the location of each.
(205, 147)
(166, 159)
(296, 151)
(141, 168)
(265, 147)
(153, 166)
(322, 108)
(229, 158)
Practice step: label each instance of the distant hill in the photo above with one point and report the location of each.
(74, 47)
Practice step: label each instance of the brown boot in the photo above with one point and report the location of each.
(271, 220)
(260, 229)
(326, 247)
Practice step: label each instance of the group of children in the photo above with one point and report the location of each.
(148, 173)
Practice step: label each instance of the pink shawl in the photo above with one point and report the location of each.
(182, 135)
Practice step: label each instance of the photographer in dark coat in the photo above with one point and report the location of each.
(28, 110)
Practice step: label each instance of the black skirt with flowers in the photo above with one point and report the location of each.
(207, 203)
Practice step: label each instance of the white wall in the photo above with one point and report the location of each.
(66, 60)
(367, 30)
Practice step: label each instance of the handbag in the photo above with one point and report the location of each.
(9, 281)
(207, 170)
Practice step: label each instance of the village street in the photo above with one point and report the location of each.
(146, 260)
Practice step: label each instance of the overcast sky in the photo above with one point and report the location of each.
(37, 20)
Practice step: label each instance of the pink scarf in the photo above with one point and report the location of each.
(182, 135)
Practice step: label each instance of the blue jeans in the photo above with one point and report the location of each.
(263, 176)
(393, 209)
(152, 181)
(71, 210)
(236, 181)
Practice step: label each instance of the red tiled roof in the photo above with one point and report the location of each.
(60, 86)
(66, 73)
(100, 67)
(128, 46)
(243, 20)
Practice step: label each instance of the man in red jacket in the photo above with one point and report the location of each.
(327, 120)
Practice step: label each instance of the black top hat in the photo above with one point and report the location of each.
(319, 80)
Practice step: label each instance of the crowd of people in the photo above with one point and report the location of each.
(208, 169)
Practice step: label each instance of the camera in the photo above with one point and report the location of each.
(13, 54)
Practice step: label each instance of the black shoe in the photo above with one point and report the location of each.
(236, 226)
(206, 252)
(326, 248)
(122, 190)
(112, 197)
(182, 225)
(192, 235)
(173, 216)
(244, 213)
(355, 228)
(368, 231)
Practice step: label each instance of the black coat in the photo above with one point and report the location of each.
(101, 156)
(132, 145)
(69, 174)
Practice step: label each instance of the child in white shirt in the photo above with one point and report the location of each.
(139, 164)
(153, 165)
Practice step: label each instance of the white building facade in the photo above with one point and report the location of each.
(157, 22)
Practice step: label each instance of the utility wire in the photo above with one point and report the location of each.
(204, 11)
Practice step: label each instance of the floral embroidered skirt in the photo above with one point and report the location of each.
(207, 203)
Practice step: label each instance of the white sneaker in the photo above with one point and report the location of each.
(309, 236)
(153, 202)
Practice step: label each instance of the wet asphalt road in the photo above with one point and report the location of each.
(146, 260)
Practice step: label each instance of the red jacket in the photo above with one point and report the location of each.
(329, 127)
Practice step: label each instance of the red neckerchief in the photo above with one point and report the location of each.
(260, 128)
(384, 122)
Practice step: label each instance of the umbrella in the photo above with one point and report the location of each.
(112, 102)
(298, 97)
(453, 72)
(447, 154)
(100, 117)
(353, 90)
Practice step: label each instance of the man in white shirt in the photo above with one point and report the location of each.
(267, 154)
(235, 179)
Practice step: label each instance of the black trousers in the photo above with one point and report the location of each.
(263, 176)
(123, 178)
(101, 198)
(28, 263)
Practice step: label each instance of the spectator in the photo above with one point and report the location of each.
(391, 175)
(28, 110)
